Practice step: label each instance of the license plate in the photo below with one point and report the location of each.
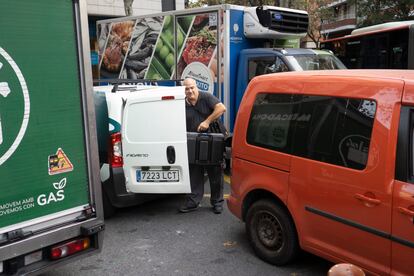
(33, 257)
(158, 176)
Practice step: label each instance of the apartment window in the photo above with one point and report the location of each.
(168, 5)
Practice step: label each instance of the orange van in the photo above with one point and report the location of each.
(324, 161)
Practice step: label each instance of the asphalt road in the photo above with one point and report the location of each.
(154, 239)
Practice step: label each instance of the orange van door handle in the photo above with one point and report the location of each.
(406, 211)
(367, 199)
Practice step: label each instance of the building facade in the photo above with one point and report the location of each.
(113, 8)
(343, 21)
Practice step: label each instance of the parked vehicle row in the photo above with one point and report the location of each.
(321, 160)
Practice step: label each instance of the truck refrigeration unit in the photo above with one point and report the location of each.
(50, 196)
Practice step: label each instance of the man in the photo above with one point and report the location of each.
(202, 108)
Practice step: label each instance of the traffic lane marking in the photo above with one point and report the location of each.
(227, 179)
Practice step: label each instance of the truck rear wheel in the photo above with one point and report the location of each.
(271, 232)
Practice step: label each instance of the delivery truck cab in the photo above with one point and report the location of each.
(261, 61)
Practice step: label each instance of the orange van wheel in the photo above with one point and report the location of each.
(271, 232)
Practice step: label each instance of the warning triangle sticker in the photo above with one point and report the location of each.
(59, 163)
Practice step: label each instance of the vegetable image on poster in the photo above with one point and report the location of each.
(145, 35)
(197, 59)
(162, 65)
(163, 59)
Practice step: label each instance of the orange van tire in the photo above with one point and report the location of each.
(271, 232)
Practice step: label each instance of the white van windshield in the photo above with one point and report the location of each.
(315, 62)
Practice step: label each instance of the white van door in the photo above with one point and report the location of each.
(154, 141)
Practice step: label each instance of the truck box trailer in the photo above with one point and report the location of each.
(50, 196)
(221, 47)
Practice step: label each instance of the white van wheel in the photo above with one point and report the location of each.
(109, 209)
(271, 232)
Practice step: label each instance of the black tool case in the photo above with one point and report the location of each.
(205, 148)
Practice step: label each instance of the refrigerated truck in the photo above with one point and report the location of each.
(221, 47)
(50, 196)
(208, 44)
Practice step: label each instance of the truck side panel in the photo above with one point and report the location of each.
(49, 166)
(45, 172)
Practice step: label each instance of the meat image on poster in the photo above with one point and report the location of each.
(116, 46)
(198, 58)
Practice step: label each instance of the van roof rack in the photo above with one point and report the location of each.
(117, 82)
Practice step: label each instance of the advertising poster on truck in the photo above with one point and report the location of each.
(148, 48)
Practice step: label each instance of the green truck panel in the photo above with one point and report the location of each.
(43, 170)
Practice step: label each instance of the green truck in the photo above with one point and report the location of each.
(50, 196)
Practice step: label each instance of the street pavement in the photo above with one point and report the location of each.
(154, 239)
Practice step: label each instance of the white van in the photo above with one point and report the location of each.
(143, 143)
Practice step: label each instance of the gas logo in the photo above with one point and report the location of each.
(54, 196)
(14, 106)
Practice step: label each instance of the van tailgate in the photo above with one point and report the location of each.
(154, 141)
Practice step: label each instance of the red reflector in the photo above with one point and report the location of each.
(69, 248)
(56, 253)
(115, 150)
(167, 98)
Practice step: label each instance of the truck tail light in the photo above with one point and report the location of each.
(115, 150)
(69, 248)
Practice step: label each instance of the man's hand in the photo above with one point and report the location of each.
(203, 126)
(219, 109)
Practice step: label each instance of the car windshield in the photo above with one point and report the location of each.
(315, 62)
